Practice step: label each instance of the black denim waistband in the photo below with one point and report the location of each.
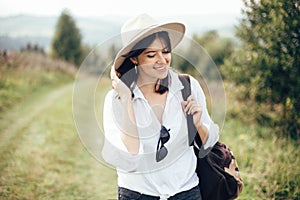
(124, 193)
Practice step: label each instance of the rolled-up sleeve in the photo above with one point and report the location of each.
(213, 129)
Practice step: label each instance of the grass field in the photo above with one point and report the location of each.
(42, 156)
(46, 160)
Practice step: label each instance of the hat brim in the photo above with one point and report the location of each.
(175, 30)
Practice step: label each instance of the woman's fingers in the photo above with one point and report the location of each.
(118, 85)
(187, 105)
(114, 78)
(195, 109)
(191, 106)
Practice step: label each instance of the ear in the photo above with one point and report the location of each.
(134, 60)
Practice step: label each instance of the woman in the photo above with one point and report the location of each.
(145, 116)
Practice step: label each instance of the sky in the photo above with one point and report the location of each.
(98, 8)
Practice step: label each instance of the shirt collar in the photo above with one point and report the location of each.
(137, 93)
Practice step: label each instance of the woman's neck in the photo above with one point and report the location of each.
(147, 86)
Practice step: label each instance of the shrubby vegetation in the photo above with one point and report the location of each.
(33, 48)
(266, 66)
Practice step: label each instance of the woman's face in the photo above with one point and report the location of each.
(153, 63)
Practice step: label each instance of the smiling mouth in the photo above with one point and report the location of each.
(160, 68)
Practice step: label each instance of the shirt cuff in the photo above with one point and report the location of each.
(213, 135)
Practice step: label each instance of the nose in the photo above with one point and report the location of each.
(162, 58)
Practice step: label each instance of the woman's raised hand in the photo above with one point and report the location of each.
(192, 107)
(118, 85)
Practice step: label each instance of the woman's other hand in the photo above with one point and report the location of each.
(192, 107)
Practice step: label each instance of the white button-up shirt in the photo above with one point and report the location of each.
(176, 172)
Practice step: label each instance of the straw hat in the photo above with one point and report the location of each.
(134, 30)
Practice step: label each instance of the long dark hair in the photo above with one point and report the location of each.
(127, 72)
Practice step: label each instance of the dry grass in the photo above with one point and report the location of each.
(21, 74)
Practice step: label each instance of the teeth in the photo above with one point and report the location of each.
(160, 68)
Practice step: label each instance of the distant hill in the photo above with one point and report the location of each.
(17, 31)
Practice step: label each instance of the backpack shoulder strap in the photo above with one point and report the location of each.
(186, 92)
(185, 80)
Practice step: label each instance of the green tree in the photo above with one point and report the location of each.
(66, 43)
(269, 61)
(217, 47)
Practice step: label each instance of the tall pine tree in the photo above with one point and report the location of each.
(66, 43)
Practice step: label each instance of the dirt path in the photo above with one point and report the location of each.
(21, 115)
